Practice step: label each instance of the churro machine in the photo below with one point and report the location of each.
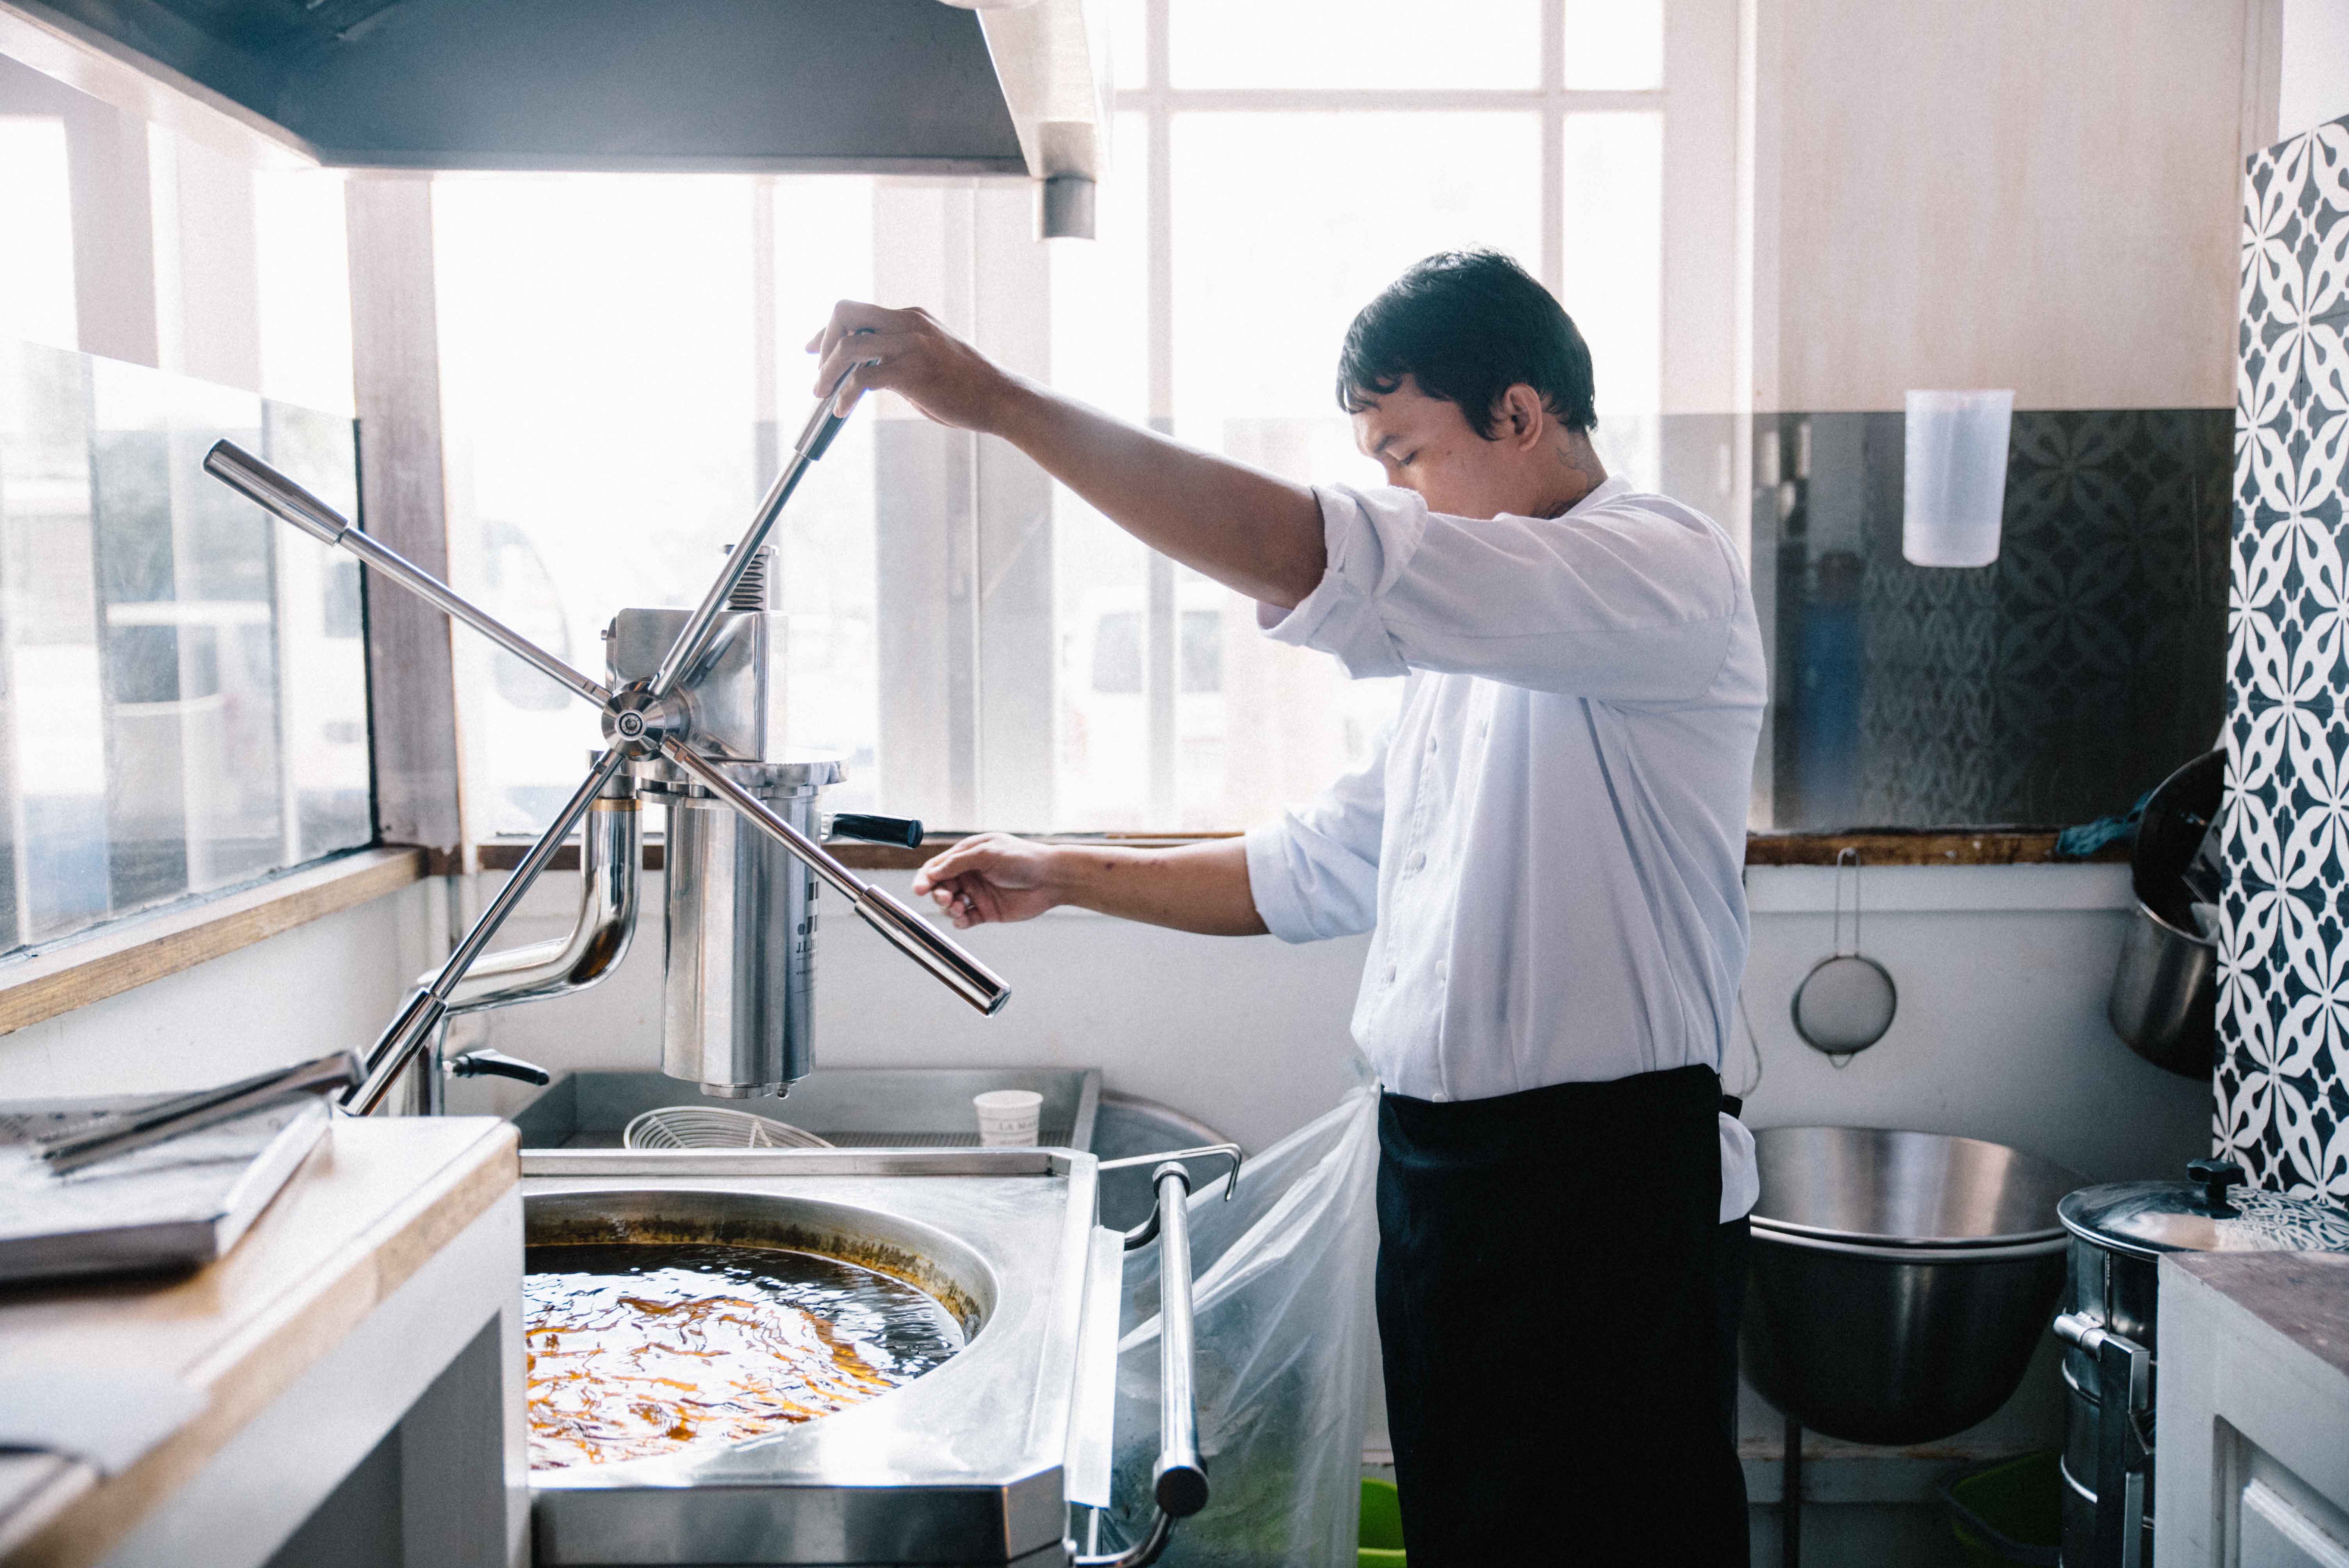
(691, 720)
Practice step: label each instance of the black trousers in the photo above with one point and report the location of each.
(1557, 1300)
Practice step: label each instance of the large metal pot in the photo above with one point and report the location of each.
(2118, 1233)
(977, 1462)
(2164, 1001)
(1899, 1280)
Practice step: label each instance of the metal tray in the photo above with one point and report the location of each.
(852, 1108)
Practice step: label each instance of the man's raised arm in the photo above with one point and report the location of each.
(1251, 531)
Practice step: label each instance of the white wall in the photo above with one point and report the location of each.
(2002, 973)
(2003, 193)
(316, 989)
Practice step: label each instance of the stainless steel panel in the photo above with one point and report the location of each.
(1093, 1405)
(961, 1466)
(738, 1002)
(853, 1106)
(734, 704)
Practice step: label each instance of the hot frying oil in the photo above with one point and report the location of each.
(640, 1349)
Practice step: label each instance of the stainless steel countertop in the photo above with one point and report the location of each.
(966, 1464)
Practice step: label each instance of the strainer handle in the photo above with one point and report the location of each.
(1179, 1480)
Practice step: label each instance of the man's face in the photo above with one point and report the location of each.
(1425, 444)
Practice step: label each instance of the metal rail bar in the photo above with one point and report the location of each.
(1178, 1481)
(815, 438)
(275, 493)
(412, 1029)
(974, 982)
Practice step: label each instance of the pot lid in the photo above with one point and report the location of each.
(2201, 1214)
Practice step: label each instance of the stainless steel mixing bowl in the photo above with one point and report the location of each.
(1900, 1280)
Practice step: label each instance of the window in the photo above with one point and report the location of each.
(621, 359)
(182, 681)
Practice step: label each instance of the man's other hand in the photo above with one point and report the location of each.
(990, 877)
(908, 353)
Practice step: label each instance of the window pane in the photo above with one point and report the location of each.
(1128, 41)
(1101, 317)
(1364, 43)
(303, 255)
(607, 435)
(1283, 229)
(36, 281)
(1616, 45)
(178, 711)
(1613, 275)
(1286, 224)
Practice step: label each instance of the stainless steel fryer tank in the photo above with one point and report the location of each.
(977, 1462)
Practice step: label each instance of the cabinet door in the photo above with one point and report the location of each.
(2274, 1531)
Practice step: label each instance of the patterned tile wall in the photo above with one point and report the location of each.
(2052, 686)
(2282, 1085)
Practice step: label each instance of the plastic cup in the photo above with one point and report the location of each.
(1007, 1118)
(1953, 484)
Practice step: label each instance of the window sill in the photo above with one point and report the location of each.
(1877, 847)
(120, 954)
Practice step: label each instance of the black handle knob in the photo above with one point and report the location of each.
(2214, 1176)
(497, 1064)
(902, 830)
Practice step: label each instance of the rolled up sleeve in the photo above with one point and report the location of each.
(1623, 598)
(1314, 873)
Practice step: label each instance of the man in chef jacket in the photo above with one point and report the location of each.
(1547, 845)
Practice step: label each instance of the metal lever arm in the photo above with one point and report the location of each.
(1179, 1480)
(815, 438)
(273, 493)
(412, 1029)
(126, 1130)
(974, 982)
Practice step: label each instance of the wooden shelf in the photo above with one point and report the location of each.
(1877, 847)
(112, 958)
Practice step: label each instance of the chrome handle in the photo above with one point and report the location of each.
(693, 640)
(2123, 1453)
(965, 976)
(962, 973)
(275, 493)
(1178, 1481)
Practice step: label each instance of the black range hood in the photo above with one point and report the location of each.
(912, 87)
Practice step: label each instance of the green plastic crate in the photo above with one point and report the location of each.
(1381, 1537)
(2008, 1511)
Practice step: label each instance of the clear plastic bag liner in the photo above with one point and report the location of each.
(1282, 1297)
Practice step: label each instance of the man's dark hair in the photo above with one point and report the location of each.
(1467, 326)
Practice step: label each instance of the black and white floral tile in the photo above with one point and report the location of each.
(2283, 1080)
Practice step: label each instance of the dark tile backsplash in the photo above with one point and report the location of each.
(2050, 687)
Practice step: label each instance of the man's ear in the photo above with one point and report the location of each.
(1520, 416)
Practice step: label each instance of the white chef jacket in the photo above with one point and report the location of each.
(1548, 842)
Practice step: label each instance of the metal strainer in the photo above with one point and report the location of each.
(714, 1127)
(1846, 1002)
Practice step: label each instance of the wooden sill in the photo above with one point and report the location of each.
(1877, 847)
(113, 958)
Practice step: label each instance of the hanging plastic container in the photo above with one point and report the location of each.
(1953, 488)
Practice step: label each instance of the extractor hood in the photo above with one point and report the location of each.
(897, 86)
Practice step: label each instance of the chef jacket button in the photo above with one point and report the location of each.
(1431, 746)
(1443, 972)
(1439, 1096)
(1418, 860)
(1391, 973)
(1483, 730)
